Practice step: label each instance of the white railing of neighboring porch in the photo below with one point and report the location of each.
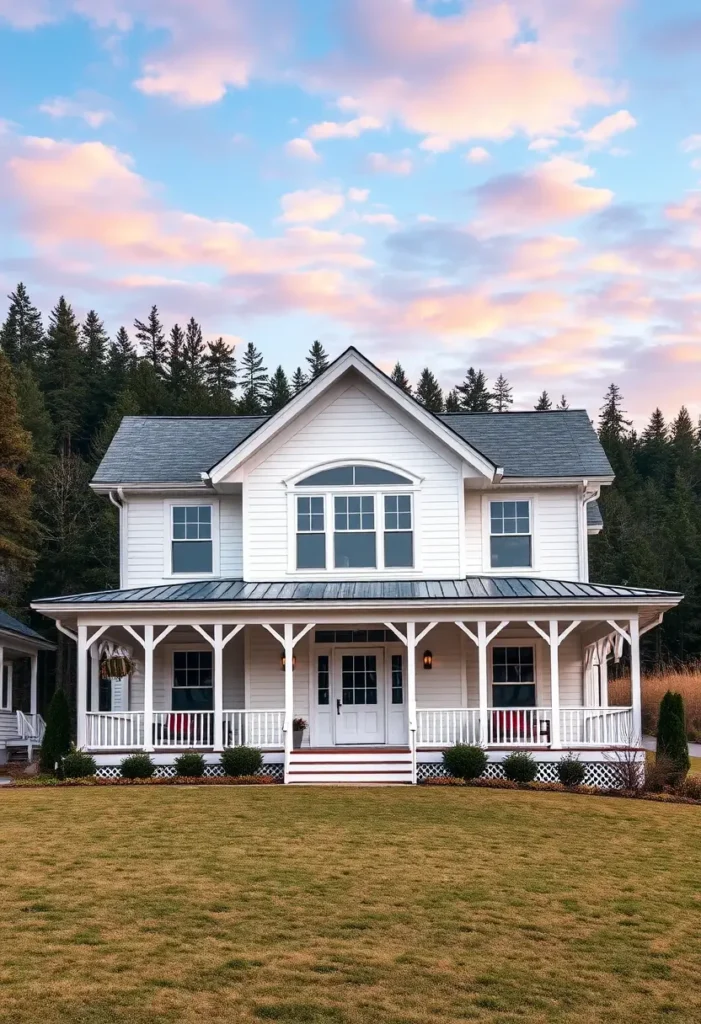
(596, 727)
(30, 727)
(253, 728)
(443, 727)
(117, 730)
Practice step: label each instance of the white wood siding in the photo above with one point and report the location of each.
(556, 526)
(354, 423)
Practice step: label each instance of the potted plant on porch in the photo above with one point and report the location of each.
(298, 727)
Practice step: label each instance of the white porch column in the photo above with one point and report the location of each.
(635, 682)
(34, 663)
(289, 647)
(148, 688)
(483, 681)
(554, 641)
(82, 687)
(411, 691)
(218, 687)
(604, 677)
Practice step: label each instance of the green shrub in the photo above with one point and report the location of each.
(464, 761)
(78, 765)
(190, 764)
(571, 771)
(672, 743)
(519, 767)
(57, 737)
(691, 787)
(241, 761)
(137, 766)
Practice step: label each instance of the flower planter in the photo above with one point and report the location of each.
(297, 737)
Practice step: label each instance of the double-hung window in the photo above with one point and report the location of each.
(191, 539)
(511, 538)
(354, 536)
(513, 677)
(399, 535)
(192, 681)
(311, 535)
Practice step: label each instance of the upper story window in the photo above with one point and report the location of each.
(511, 539)
(356, 517)
(191, 539)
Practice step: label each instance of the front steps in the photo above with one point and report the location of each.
(340, 765)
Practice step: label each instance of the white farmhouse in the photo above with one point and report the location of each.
(399, 580)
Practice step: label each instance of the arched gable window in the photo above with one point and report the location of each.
(340, 527)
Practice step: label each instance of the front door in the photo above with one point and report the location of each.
(359, 696)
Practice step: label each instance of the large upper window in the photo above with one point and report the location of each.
(511, 541)
(191, 538)
(356, 517)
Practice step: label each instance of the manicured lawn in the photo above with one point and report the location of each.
(347, 906)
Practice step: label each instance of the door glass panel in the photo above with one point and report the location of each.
(359, 678)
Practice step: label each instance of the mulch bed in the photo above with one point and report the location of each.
(176, 780)
(667, 796)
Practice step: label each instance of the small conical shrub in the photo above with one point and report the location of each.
(672, 743)
(57, 737)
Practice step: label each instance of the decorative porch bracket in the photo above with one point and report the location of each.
(632, 635)
(289, 641)
(554, 638)
(411, 641)
(149, 642)
(482, 642)
(218, 642)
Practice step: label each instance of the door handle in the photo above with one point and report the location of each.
(338, 706)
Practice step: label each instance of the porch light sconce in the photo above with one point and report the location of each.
(428, 659)
(282, 662)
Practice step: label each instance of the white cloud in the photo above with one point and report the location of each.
(61, 106)
(436, 144)
(603, 131)
(477, 155)
(358, 195)
(343, 129)
(301, 149)
(310, 205)
(386, 220)
(690, 144)
(542, 145)
(382, 163)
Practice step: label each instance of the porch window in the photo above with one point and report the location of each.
(311, 538)
(513, 677)
(192, 681)
(510, 534)
(6, 690)
(322, 679)
(399, 536)
(397, 679)
(354, 531)
(191, 538)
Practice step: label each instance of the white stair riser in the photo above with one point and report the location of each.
(335, 777)
(313, 758)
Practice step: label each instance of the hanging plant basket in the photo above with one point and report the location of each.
(116, 667)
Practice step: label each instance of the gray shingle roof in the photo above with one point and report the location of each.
(539, 444)
(475, 588)
(595, 520)
(165, 449)
(15, 626)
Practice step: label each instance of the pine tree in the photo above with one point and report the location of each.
(428, 391)
(684, 442)
(57, 737)
(318, 359)
(400, 378)
(279, 392)
(544, 404)
(503, 396)
(121, 362)
(193, 355)
(653, 455)
(474, 393)
(176, 367)
(299, 380)
(613, 426)
(22, 334)
(562, 404)
(153, 340)
(672, 743)
(452, 402)
(254, 382)
(17, 530)
(35, 420)
(220, 373)
(95, 342)
(64, 376)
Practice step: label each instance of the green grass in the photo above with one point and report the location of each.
(346, 906)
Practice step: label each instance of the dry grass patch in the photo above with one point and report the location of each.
(685, 680)
(346, 906)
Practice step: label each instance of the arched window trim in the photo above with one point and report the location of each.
(296, 481)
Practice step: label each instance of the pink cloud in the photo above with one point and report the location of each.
(383, 163)
(606, 129)
(302, 149)
(549, 192)
(343, 129)
(310, 205)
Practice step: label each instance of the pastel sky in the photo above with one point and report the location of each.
(514, 184)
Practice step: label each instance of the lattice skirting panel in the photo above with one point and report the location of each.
(167, 771)
(598, 772)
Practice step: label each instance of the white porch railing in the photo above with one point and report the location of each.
(443, 727)
(253, 728)
(105, 730)
(30, 727)
(596, 727)
(183, 729)
(521, 727)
